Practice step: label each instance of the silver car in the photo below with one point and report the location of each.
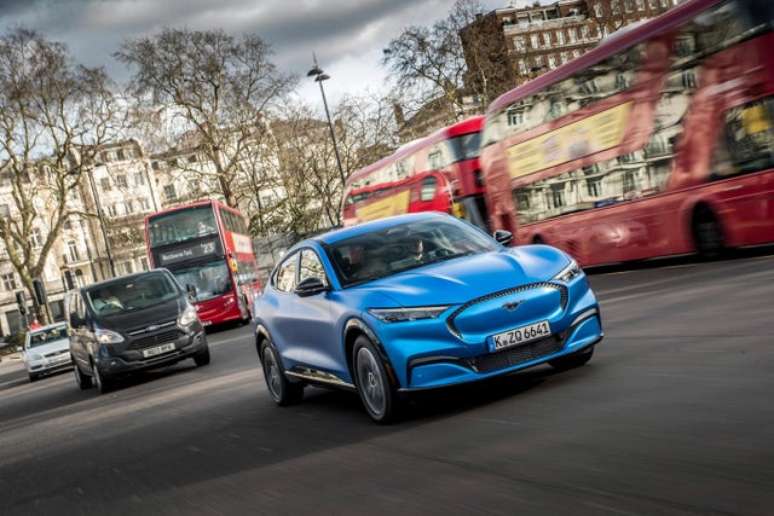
(47, 350)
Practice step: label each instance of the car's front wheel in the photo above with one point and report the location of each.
(282, 391)
(101, 382)
(83, 381)
(33, 377)
(572, 361)
(373, 384)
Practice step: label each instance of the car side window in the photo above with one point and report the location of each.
(286, 274)
(311, 267)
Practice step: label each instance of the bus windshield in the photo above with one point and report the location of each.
(178, 226)
(465, 146)
(211, 279)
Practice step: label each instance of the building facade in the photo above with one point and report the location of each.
(534, 38)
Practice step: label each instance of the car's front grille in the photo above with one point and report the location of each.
(518, 354)
(56, 353)
(153, 340)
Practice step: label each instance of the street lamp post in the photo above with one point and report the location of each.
(319, 77)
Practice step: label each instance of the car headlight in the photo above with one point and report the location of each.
(569, 273)
(107, 336)
(188, 317)
(391, 315)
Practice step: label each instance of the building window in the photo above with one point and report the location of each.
(144, 263)
(139, 179)
(36, 238)
(72, 251)
(79, 281)
(594, 186)
(534, 40)
(169, 192)
(629, 5)
(576, 53)
(556, 197)
(129, 207)
(120, 154)
(105, 184)
(522, 67)
(653, 5)
(192, 158)
(565, 57)
(519, 44)
(585, 31)
(128, 267)
(172, 163)
(121, 181)
(665, 3)
(144, 204)
(546, 40)
(572, 32)
(552, 61)
(640, 5)
(560, 37)
(155, 165)
(515, 117)
(9, 281)
(539, 61)
(67, 224)
(112, 211)
(598, 10)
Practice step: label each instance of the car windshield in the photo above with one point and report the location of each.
(132, 293)
(47, 336)
(406, 246)
(182, 225)
(211, 279)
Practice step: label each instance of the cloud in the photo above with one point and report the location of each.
(347, 35)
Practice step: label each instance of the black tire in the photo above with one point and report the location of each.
(83, 381)
(708, 234)
(282, 391)
(202, 358)
(101, 382)
(572, 361)
(378, 395)
(33, 377)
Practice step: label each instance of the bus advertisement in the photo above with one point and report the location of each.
(658, 142)
(207, 247)
(437, 173)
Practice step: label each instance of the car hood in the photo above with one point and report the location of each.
(461, 279)
(127, 321)
(50, 347)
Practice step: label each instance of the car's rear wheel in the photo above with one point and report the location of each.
(202, 358)
(572, 361)
(101, 382)
(282, 391)
(83, 381)
(373, 384)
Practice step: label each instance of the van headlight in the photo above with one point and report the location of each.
(105, 336)
(569, 273)
(391, 315)
(188, 317)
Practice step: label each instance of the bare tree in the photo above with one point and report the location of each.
(216, 86)
(54, 114)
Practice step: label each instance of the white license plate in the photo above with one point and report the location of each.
(521, 335)
(61, 359)
(158, 350)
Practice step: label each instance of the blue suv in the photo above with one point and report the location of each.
(418, 302)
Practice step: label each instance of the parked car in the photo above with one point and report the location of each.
(418, 302)
(47, 350)
(132, 323)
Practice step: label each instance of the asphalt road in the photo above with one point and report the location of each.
(674, 415)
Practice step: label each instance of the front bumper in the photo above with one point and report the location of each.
(47, 367)
(427, 355)
(186, 346)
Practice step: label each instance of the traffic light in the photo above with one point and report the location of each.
(21, 301)
(39, 288)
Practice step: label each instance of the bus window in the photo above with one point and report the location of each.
(748, 140)
(429, 187)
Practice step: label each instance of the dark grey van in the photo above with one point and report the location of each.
(131, 323)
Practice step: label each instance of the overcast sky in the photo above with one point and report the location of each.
(348, 35)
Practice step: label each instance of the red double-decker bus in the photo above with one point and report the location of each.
(206, 246)
(437, 173)
(658, 142)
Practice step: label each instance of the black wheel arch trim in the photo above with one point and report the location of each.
(357, 324)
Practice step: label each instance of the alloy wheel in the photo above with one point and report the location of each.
(371, 382)
(273, 378)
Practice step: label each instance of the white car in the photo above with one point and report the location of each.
(47, 350)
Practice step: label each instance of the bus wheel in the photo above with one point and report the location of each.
(707, 233)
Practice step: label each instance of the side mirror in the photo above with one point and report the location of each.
(502, 236)
(191, 291)
(310, 287)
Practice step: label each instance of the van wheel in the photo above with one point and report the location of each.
(708, 234)
(83, 381)
(282, 391)
(103, 384)
(202, 358)
(373, 383)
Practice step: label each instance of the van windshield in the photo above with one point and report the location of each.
(132, 293)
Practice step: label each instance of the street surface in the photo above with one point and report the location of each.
(674, 415)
